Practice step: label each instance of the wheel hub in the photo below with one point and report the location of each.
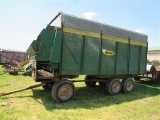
(129, 85)
(65, 92)
(115, 87)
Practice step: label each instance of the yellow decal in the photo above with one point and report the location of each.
(108, 52)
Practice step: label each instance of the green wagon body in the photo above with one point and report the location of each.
(82, 47)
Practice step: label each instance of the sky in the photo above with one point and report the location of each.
(22, 20)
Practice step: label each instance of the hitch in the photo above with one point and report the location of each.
(19, 90)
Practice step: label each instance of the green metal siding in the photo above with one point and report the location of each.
(56, 48)
(45, 43)
(71, 54)
(72, 61)
(122, 58)
(91, 55)
(108, 62)
(143, 60)
(81, 55)
(134, 59)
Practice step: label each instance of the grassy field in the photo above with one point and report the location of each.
(89, 103)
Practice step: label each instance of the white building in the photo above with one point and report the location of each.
(153, 53)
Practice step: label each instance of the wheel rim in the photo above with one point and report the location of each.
(129, 85)
(65, 92)
(116, 86)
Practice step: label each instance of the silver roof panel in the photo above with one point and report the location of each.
(88, 25)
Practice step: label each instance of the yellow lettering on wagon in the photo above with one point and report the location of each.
(108, 52)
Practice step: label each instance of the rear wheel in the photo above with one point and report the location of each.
(114, 86)
(63, 91)
(103, 84)
(89, 82)
(127, 85)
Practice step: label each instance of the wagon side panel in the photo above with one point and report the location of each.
(91, 55)
(108, 60)
(143, 60)
(71, 54)
(121, 58)
(134, 59)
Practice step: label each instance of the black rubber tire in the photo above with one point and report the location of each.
(114, 86)
(103, 84)
(127, 85)
(47, 85)
(89, 83)
(63, 91)
(137, 78)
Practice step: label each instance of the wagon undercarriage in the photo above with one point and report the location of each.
(63, 89)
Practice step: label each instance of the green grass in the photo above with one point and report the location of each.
(89, 102)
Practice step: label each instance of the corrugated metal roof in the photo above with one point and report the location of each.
(92, 26)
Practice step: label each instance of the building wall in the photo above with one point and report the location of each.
(11, 56)
(153, 55)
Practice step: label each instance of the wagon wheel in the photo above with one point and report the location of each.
(63, 91)
(127, 85)
(47, 85)
(103, 84)
(114, 86)
(88, 82)
(137, 78)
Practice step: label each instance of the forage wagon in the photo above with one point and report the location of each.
(106, 54)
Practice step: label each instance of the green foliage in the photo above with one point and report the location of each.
(89, 102)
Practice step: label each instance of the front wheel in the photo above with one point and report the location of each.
(114, 86)
(63, 91)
